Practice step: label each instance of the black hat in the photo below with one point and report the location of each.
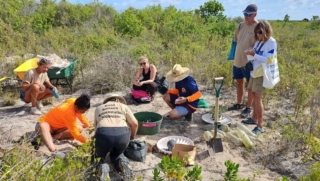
(252, 8)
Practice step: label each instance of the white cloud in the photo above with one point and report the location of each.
(167, 1)
(291, 2)
(244, 3)
(314, 4)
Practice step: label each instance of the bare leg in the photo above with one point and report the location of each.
(64, 133)
(173, 114)
(250, 98)
(255, 109)
(32, 94)
(259, 109)
(240, 90)
(45, 94)
(45, 133)
(166, 98)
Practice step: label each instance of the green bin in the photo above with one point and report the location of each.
(149, 122)
(62, 73)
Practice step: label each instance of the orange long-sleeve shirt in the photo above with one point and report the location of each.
(63, 116)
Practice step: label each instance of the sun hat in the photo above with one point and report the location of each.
(177, 73)
(111, 95)
(251, 8)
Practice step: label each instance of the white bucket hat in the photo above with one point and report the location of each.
(110, 96)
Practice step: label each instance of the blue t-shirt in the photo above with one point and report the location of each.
(187, 87)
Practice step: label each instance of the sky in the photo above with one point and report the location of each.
(267, 9)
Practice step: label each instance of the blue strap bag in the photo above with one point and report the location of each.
(233, 46)
(232, 50)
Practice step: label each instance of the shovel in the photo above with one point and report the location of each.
(216, 143)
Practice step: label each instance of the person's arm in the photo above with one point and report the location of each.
(26, 81)
(196, 94)
(173, 91)
(71, 123)
(82, 118)
(96, 116)
(48, 83)
(136, 78)
(132, 121)
(153, 72)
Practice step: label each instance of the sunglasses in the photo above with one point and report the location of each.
(247, 14)
(142, 63)
(258, 32)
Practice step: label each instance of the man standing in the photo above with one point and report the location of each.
(244, 36)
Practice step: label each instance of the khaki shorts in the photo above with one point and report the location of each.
(255, 84)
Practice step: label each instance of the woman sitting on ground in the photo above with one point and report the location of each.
(148, 72)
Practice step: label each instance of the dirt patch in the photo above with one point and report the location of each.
(265, 161)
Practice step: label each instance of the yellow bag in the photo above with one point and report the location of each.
(181, 151)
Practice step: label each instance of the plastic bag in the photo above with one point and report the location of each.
(203, 103)
(271, 74)
(136, 150)
(162, 85)
(140, 96)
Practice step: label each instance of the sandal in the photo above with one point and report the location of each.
(236, 107)
(248, 121)
(257, 130)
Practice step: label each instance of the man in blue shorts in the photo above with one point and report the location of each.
(184, 99)
(244, 36)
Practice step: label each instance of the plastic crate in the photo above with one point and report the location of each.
(149, 123)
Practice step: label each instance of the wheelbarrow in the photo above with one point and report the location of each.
(66, 73)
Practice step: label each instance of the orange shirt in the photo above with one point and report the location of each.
(64, 115)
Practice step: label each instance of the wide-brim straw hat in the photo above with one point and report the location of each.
(110, 96)
(177, 73)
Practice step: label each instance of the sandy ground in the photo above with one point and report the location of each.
(17, 122)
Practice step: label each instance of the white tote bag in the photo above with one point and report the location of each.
(271, 74)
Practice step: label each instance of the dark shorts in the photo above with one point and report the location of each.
(173, 97)
(239, 74)
(22, 94)
(111, 139)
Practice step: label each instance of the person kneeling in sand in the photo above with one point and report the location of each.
(61, 123)
(115, 126)
(184, 99)
(33, 89)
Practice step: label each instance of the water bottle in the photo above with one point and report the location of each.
(56, 95)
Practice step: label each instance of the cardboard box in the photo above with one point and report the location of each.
(181, 151)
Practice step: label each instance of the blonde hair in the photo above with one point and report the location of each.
(266, 29)
(143, 58)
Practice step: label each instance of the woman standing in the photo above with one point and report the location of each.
(265, 50)
(148, 72)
